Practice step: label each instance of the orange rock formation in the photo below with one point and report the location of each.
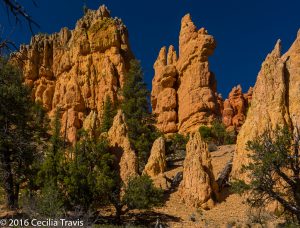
(184, 89)
(235, 108)
(75, 70)
(198, 187)
(275, 99)
(121, 147)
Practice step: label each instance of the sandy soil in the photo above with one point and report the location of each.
(231, 212)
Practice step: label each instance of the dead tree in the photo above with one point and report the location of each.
(223, 178)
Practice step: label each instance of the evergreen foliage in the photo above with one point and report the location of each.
(20, 130)
(52, 171)
(141, 193)
(274, 170)
(135, 106)
(206, 133)
(176, 144)
(63, 177)
(91, 175)
(217, 133)
(109, 112)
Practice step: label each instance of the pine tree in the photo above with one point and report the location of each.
(273, 171)
(90, 175)
(136, 108)
(109, 111)
(20, 132)
(139, 193)
(52, 168)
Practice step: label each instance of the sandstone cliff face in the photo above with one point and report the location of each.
(75, 70)
(235, 108)
(121, 147)
(275, 99)
(184, 89)
(157, 161)
(198, 187)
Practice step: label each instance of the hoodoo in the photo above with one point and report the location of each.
(275, 99)
(184, 89)
(75, 70)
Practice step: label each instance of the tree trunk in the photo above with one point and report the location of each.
(297, 198)
(8, 182)
(16, 195)
(118, 213)
(224, 175)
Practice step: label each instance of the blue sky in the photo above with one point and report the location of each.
(245, 30)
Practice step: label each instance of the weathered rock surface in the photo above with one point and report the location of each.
(184, 89)
(157, 161)
(198, 187)
(275, 99)
(75, 70)
(235, 108)
(121, 147)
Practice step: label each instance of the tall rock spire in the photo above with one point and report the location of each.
(189, 98)
(275, 100)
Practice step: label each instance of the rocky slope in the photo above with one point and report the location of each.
(184, 89)
(75, 70)
(275, 99)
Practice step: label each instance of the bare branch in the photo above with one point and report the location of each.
(20, 13)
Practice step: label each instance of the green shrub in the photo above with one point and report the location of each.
(141, 193)
(217, 134)
(206, 133)
(176, 142)
(50, 202)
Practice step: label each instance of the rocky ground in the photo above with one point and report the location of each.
(232, 211)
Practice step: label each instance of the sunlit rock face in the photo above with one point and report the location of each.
(120, 146)
(235, 108)
(183, 88)
(198, 187)
(157, 161)
(75, 70)
(275, 100)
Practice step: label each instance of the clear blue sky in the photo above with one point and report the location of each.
(245, 30)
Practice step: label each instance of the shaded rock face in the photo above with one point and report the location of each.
(235, 108)
(198, 187)
(275, 100)
(157, 161)
(184, 89)
(75, 70)
(121, 147)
